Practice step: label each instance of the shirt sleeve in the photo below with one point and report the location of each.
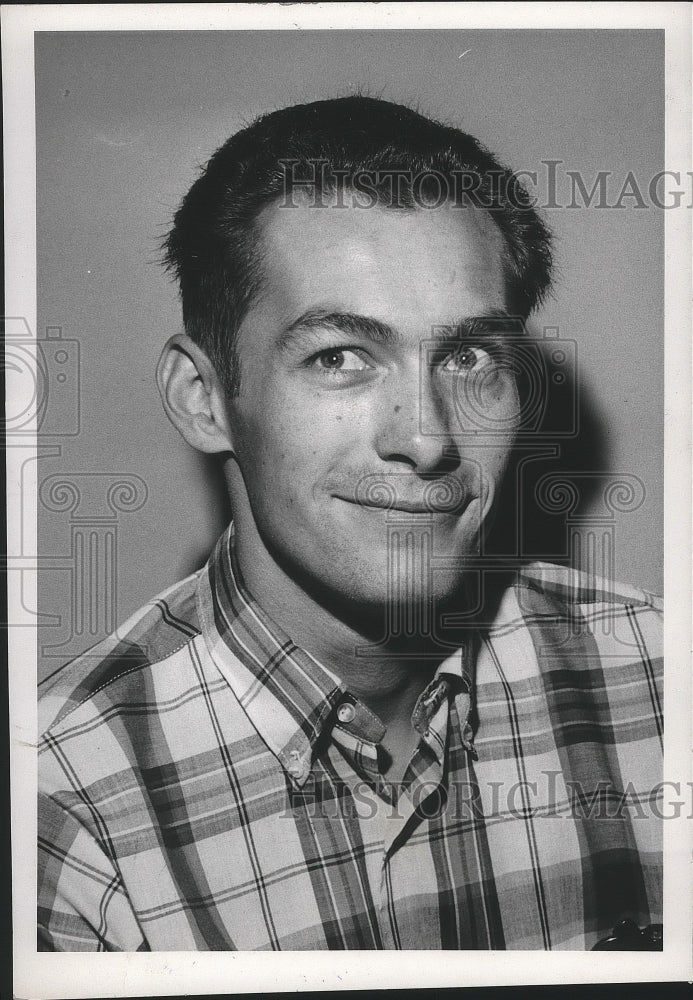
(82, 903)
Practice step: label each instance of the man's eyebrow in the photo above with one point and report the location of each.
(349, 324)
(493, 321)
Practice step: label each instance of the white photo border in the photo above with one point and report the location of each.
(181, 973)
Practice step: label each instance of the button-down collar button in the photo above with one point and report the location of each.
(346, 713)
(297, 767)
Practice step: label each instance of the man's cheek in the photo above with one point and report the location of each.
(499, 414)
(283, 476)
(497, 467)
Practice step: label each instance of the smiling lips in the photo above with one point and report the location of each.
(401, 505)
(440, 496)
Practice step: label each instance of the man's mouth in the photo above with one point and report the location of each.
(437, 496)
(400, 505)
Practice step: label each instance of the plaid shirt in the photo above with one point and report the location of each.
(205, 784)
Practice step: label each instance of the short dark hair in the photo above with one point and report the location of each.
(212, 247)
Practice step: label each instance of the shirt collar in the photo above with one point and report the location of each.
(287, 694)
(284, 691)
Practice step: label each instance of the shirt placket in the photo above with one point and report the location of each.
(383, 812)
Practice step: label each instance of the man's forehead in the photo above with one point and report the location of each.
(471, 228)
(449, 262)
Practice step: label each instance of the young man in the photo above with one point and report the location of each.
(341, 733)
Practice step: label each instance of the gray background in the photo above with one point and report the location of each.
(124, 119)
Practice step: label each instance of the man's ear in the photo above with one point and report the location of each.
(193, 396)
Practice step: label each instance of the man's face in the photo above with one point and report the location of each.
(371, 429)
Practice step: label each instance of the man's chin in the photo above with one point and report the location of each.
(397, 568)
(405, 588)
(408, 619)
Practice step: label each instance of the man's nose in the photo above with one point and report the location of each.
(417, 426)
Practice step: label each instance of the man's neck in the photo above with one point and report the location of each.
(386, 673)
(387, 680)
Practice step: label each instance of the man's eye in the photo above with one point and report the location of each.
(466, 359)
(340, 361)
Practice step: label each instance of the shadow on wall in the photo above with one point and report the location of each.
(559, 473)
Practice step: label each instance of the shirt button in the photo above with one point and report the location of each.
(296, 770)
(346, 713)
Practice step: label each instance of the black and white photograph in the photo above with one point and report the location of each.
(348, 436)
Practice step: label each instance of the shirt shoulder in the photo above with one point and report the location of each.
(573, 588)
(153, 633)
(554, 621)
